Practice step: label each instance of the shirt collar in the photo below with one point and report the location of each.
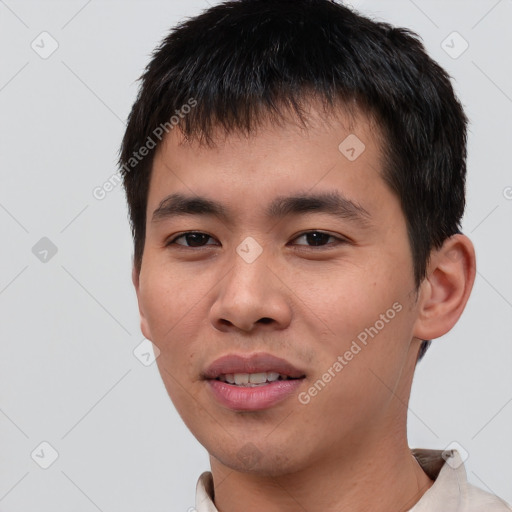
(449, 491)
(446, 468)
(205, 494)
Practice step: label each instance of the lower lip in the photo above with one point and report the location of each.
(240, 398)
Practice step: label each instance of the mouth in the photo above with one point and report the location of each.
(257, 369)
(252, 380)
(250, 383)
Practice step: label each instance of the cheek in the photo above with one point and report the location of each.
(174, 318)
(367, 321)
(356, 381)
(345, 299)
(174, 313)
(169, 297)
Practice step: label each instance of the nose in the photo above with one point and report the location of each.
(250, 297)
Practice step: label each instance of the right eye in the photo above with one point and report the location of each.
(191, 238)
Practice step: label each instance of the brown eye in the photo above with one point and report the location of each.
(318, 239)
(192, 239)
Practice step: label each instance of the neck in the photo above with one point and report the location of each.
(373, 478)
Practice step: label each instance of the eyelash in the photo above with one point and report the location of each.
(339, 240)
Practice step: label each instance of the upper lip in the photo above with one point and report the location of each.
(255, 363)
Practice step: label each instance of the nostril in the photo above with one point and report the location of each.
(265, 320)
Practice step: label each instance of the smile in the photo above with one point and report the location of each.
(252, 382)
(252, 379)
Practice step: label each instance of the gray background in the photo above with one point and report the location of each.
(69, 322)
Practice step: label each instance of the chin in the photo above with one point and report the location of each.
(263, 461)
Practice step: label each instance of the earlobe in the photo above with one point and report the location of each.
(143, 321)
(446, 289)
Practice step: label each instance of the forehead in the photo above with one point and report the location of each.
(313, 119)
(339, 152)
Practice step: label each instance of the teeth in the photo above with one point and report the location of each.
(251, 379)
(257, 378)
(241, 378)
(272, 376)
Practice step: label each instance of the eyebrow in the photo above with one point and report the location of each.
(332, 203)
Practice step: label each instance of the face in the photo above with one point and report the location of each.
(284, 257)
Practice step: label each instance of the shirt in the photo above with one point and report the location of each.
(450, 492)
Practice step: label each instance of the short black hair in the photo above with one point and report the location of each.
(243, 61)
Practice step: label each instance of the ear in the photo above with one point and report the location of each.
(144, 327)
(445, 291)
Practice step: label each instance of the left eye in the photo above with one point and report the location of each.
(317, 238)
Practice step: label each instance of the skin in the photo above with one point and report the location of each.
(347, 448)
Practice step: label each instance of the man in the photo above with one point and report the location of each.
(295, 178)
